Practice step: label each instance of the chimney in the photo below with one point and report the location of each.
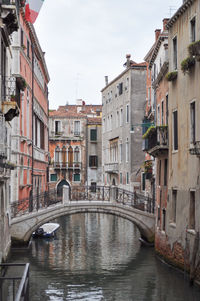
(157, 33)
(128, 61)
(165, 21)
(106, 80)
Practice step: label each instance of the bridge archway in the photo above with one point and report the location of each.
(21, 230)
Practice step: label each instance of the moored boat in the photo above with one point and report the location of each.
(46, 230)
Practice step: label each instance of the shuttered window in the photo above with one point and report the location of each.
(93, 135)
(93, 161)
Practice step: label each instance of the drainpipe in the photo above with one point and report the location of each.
(32, 47)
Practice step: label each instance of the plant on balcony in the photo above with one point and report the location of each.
(149, 132)
(12, 97)
(187, 64)
(148, 166)
(194, 49)
(171, 76)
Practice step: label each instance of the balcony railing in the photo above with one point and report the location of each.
(156, 143)
(111, 167)
(67, 165)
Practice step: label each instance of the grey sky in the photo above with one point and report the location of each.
(85, 40)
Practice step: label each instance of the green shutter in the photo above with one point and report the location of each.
(93, 135)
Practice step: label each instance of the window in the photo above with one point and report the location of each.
(174, 205)
(192, 210)
(22, 37)
(127, 113)
(57, 127)
(175, 130)
(70, 157)
(120, 87)
(93, 135)
(120, 178)
(28, 48)
(192, 123)
(158, 115)
(77, 177)
(193, 29)
(162, 112)
(76, 128)
(93, 187)
(167, 110)
(164, 219)
(159, 172)
(93, 161)
(121, 117)
(57, 155)
(165, 172)
(117, 119)
(127, 151)
(53, 177)
(127, 178)
(143, 181)
(111, 122)
(175, 53)
(120, 152)
(149, 95)
(64, 156)
(76, 155)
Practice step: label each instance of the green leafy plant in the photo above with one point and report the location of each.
(194, 48)
(187, 64)
(171, 75)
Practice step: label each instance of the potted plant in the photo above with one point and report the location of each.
(171, 76)
(194, 49)
(187, 64)
(12, 97)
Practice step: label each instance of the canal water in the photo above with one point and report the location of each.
(99, 257)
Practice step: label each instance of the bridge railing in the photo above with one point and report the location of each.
(14, 281)
(112, 193)
(34, 203)
(90, 193)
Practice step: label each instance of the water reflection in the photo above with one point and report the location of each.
(99, 257)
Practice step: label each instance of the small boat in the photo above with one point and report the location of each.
(46, 230)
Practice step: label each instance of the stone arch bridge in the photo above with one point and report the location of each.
(28, 215)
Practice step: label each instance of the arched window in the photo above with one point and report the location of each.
(70, 156)
(76, 154)
(57, 155)
(64, 156)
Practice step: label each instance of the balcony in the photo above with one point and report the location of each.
(10, 92)
(67, 165)
(156, 141)
(10, 14)
(111, 168)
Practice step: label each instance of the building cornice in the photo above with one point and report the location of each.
(161, 38)
(179, 12)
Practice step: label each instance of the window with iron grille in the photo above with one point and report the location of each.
(93, 161)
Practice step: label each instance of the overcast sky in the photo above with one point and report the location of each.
(85, 40)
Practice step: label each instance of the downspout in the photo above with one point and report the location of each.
(32, 47)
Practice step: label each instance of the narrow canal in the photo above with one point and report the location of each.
(99, 257)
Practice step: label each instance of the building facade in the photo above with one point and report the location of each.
(9, 109)
(30, 130)
(180, 241)
(74, 143)
(123, 101)
(156, 135)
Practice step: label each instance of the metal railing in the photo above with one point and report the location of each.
(35, 202)
(196, 149)
(83, 193)
(14, 282)
(113, 193)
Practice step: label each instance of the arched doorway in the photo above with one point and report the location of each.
(60, 188)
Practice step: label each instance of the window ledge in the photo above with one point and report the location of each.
(174, 151)
(172, 225)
